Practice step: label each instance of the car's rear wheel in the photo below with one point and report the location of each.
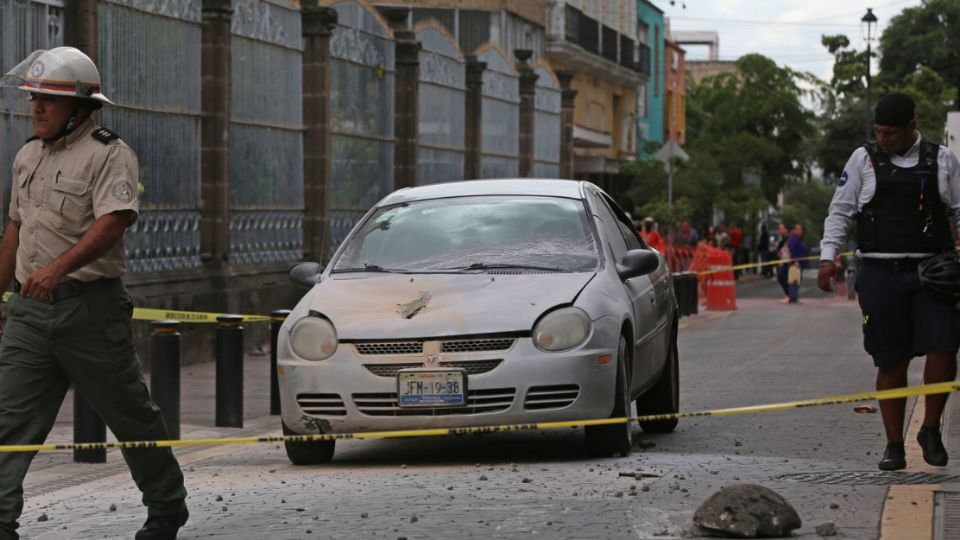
(308, 453)
(664, 396)
(614, 439)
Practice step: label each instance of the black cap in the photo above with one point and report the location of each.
(894, 110)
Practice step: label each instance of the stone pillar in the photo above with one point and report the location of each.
(215, 133)
(406, 97)
(80, 26)
(473, 120)
(567, 96)
(318, 23)
(528, 93)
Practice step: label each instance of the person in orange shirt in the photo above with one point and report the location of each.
(650, 235)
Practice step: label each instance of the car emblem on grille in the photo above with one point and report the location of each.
(433, 359)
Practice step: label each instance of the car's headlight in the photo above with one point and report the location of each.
(313, 338)
(561, 330)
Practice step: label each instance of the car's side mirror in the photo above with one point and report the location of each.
(637, 262)
(305, 274)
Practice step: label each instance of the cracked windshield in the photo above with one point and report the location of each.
(474, 233)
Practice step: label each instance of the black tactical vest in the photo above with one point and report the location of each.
(906, 214)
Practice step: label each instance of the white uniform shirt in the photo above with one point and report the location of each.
(858, 184)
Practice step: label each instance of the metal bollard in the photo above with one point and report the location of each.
(694, 293)
(165, 372)
(229, 350)
(87, 427)
(680, 290)
(276, 321)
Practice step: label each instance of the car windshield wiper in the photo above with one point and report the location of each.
(500, 266)
(370, 268)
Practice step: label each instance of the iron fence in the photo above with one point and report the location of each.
(441, 109)
(362, 113)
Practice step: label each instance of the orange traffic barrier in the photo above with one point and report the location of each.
(720, 287)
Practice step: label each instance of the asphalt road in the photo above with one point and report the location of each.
(540, 484)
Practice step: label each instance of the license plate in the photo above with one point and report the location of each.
(432, 387)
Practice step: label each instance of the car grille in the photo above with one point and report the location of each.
(390, 347)
(322, 404)
(551, 397)
(474, 367)
(478, 402)
(477, 345)
(388, 370)
(471, 345)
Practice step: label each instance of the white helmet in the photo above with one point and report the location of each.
(63, 71)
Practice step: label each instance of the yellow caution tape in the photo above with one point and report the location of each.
(758, 265)
(895, 393)
(149, 314)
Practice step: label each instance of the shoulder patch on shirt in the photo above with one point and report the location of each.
(843, 179)
(104, 135)
(122, 190)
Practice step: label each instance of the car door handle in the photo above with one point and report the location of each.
(653, 298)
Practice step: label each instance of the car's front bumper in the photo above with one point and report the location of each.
(343, 394)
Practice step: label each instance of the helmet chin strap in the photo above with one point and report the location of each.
(71, 124)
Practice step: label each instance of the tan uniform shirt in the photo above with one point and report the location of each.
(61, 188)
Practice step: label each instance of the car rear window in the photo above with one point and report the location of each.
(441, 234)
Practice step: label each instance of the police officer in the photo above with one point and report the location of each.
(904, 193)
(74, 194)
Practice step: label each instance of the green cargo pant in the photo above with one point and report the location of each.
(82, 335)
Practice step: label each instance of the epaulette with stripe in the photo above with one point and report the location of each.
(31, 138)
(104, 135)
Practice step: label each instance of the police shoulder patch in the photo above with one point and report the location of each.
(123, 190)
(843, 179)
(104, 135)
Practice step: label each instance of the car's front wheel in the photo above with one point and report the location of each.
(614, 439)
(308, 453)
(664, 396)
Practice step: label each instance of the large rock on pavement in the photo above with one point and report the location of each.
(746, 511)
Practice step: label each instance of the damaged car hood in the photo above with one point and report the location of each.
(404, 306)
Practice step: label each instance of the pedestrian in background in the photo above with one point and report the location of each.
(74, 194)
(763, 251)
(648, 231)
(687, 236)
(734, 242)
(793, 282)
(901, 191)
(782, 253)
(792, 249)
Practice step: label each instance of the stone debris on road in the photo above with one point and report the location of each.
(826, 529)
(746, 511)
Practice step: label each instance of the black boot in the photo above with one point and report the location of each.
(163, 527)
(933, 451)
(894, 457)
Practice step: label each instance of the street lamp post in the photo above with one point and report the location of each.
(869, 20)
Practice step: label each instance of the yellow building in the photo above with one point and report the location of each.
(597, 39)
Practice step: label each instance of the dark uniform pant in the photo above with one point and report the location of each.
(82, 334)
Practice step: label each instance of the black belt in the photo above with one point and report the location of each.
(894, 265)
(71, 287)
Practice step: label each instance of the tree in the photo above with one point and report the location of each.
(754, 119)
(927, 35)
(807, 203)
(932, 97)
(849, 68)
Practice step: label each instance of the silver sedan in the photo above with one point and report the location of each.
(478, 303)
